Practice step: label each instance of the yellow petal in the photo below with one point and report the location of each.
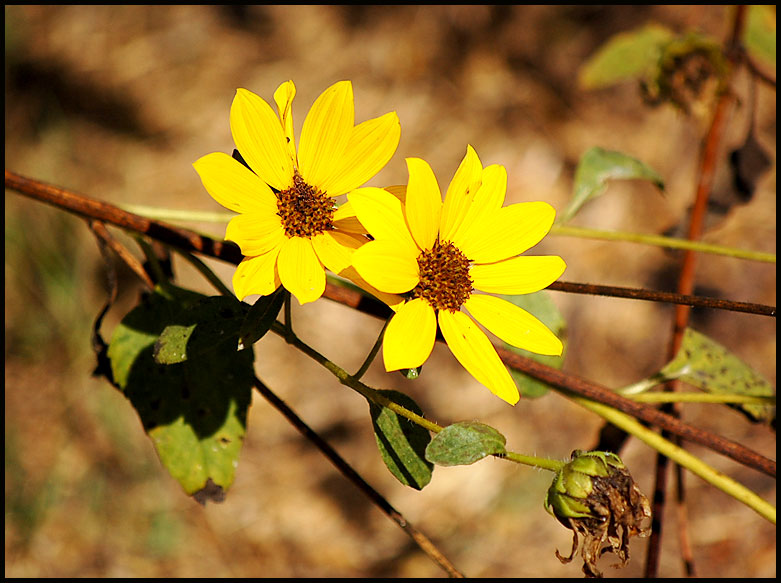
(371, 145)
(233, 186)
(284, 98)
(344, 219)
(476, 354)
(410, 335)
(300, 270)
(382, 214)
(335, 249)
(257, 275)
(393, 301)
(260, 139)
(255, 233)
(459, 194)
(506, 232)
(424, 203)
(383, 266)
(326, 131)
(512, 324)
(486, 202)
(519, 275)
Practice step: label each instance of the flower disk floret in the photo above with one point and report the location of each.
(447, 257)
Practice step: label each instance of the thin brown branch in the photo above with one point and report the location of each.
(418, 537)
(227, 251)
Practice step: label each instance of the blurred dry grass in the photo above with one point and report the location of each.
(118, 101)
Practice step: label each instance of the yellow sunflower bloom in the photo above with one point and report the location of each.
(288, 227)
(440, 254)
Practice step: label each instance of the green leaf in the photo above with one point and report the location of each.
(542, 307)
(625, 56)
(216, 320)
(194, 409)
(596, 167)
(464, 443)
(401, 442)
(709, 366)
(261, 317)
(760, 33)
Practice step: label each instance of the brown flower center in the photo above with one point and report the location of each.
(444, 277)
(304, 210)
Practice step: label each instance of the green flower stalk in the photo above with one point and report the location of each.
(595, 496)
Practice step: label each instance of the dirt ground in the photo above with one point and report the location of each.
(117, 102)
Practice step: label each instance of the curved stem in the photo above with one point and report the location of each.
(372, 353)
(372, 395)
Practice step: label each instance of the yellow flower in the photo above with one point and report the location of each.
(439, 254)
(289, 228)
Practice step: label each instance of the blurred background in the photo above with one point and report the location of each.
(117, 102)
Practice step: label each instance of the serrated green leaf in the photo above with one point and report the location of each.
(625, 56)
(464, 443)
(195, 409)
(402, 444)
(709, 366)
(542, 307)
(596, 167)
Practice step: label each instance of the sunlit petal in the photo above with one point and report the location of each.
(335, 249)
(512, 324)
(260, 139)
(233, 186)
(393, 301)
(474, 351)
(344, 219)
(410, 335)
(255, 233)
(506, 232)
(423, 204)
(486, 202)
(459, 194)
(519, 275)
(300, 270)
(257, 275)
(383, 265)
(283, 96)
(325, 134)
(371, 145)
(382, 214)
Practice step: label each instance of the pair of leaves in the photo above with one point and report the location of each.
(409, 451)
(176, 358)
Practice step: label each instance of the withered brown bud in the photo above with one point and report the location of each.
(595, 496)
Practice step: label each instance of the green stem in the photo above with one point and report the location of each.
(372, 354)
(375, 397)
(165, 214)
(206, 272)
(680, 456)
(669, 397)
(660, 241)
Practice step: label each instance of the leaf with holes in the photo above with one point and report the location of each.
(195, 408)
(709, 366)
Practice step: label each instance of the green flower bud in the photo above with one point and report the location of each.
(594, 496)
